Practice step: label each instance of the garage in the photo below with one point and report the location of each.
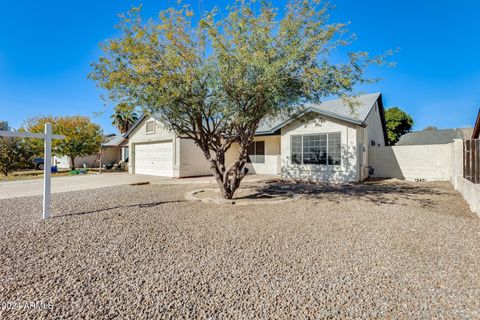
(154, 159)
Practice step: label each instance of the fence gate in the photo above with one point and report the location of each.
(471, 160)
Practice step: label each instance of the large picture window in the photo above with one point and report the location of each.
(256, 152)
(322, 149)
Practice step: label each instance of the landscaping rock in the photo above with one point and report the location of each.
(386, 249)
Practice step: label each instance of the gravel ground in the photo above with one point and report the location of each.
(379, 250)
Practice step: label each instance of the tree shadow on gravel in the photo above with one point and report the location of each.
(377, 192)
(139, 205)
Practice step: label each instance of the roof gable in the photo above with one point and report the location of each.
(337, 109)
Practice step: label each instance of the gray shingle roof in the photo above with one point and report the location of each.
(433, 136)
(338, 108)
(356, 112)
(114, 141)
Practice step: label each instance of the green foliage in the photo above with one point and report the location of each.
(212, 79)
(398, 123)
(124, 117)
(4, 126)
(15, 153)
(82, 137)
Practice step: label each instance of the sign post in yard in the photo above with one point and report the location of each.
(47, 159)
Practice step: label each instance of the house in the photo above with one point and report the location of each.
(434, 136)
(333, 146)
(114, 148)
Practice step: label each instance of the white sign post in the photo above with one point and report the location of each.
(47, 159)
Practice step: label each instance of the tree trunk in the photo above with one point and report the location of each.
(72, 162)
(228, 179)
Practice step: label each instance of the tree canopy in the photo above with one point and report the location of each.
(213, 78)
(4, 126)
(82, 137)
(398, 123)
(124, 116)
(15, 153)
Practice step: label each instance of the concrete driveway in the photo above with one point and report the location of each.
(34, 187)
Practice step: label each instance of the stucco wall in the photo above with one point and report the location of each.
(192, 160)
(374, 127)
(347, 171)
(272, 156)
(429, 162)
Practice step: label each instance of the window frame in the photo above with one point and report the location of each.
(146, 127)
(326, 134)
(254, 143)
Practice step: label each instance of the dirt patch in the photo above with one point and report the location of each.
(244, 196)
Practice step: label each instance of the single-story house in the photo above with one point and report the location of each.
(434, 136)
(114, 148)
(333, 146)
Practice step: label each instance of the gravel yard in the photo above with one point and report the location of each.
(385, 249)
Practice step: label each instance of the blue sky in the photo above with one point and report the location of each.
(46, 48)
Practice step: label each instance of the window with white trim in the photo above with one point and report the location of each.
(319, 149)
(150, 126)
(256, 152)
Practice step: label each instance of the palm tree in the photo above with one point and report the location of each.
(124, 116)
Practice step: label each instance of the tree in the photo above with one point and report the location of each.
(213, 79)
(398, 123)
(430, 128)
(124, 117)
(14, 152)
(82, 137)
(4, 126)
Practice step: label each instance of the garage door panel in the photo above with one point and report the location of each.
(154, 159)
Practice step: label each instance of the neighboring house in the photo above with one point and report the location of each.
(333, 147)
(434, 136)
(114, 149)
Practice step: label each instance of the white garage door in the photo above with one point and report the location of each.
(155, 159)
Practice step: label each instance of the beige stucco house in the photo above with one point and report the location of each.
(113, 149)
(332, 146)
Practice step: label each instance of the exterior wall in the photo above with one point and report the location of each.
(429, 162)
(374, 128)
(362, 151)
(347, 171)
(373, 132)
(272, 156)
(139, 135)
(192, 160)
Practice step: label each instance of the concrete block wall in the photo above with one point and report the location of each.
(429, 162)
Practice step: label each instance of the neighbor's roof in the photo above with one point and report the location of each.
(441, 136)
(338, 109)
(115, 141)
